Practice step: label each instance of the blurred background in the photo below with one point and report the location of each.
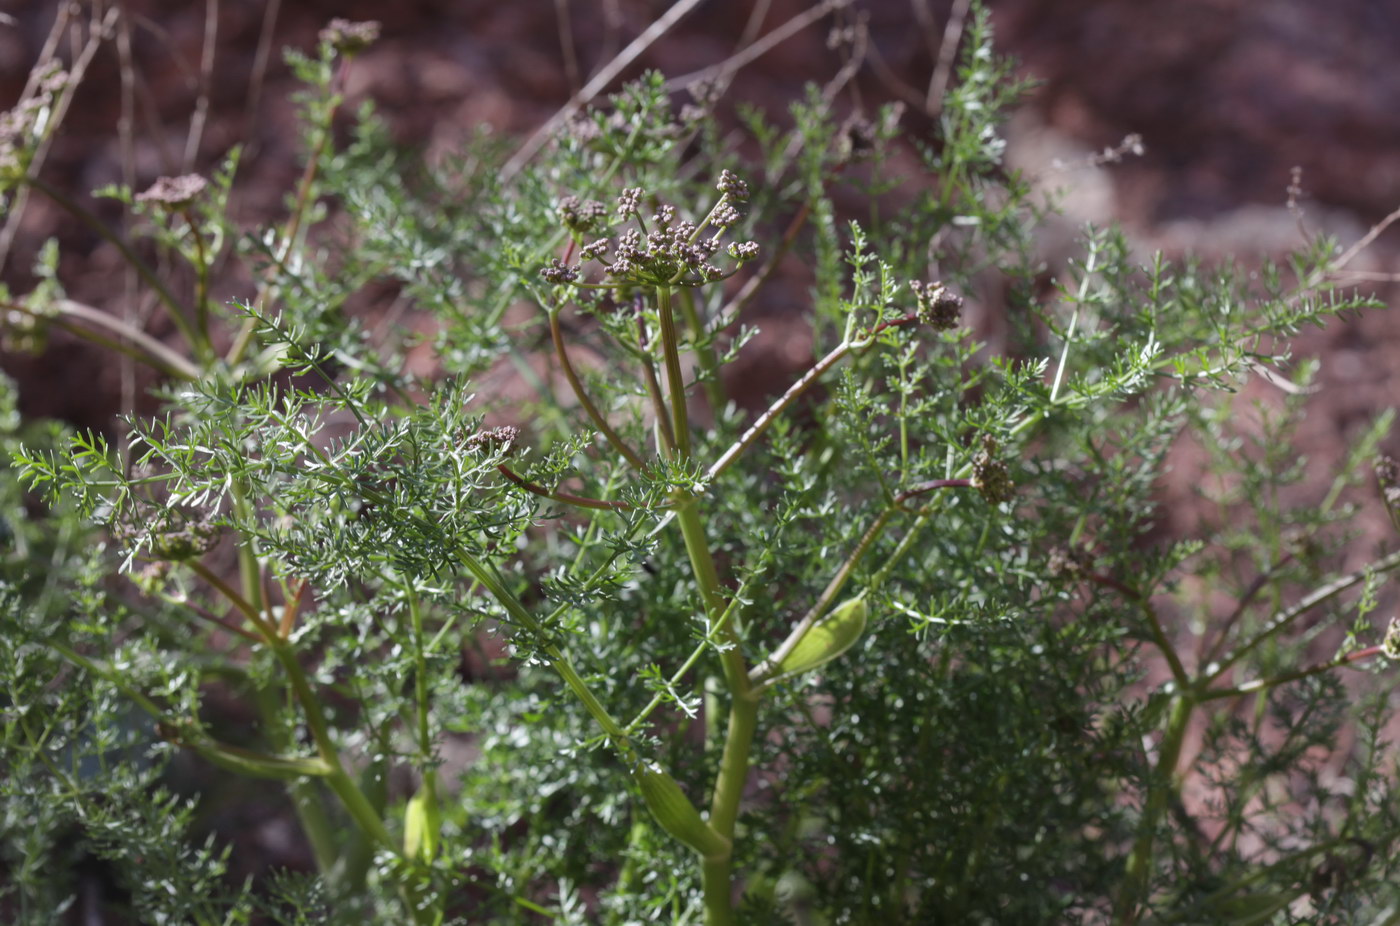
(1227, 97)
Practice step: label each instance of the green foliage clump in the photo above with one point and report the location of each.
(909, 646)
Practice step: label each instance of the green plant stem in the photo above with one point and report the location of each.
(522, 616)
(420, 677)
(306, 796)
(315, 825)
(666, 439)
(716, 868)
(249, 568)
(78, 659)
(1263, 684)
(339, 781)
(711, 639)
(762, 673)
(201, 278)
(175, 310)
(1283, 619)
(705, 351)
(1160, 638)
(1074, 321)
(289, 236)
(156, 353)
(567, 498)
(1161, 784)
(601, 423)
(675, 379)
(245, 607)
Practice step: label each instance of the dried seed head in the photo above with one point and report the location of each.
(22, 126)
(1387, 471)
(174, 192)
(350, 38)
(1391, 645)
(990, 476)
(173, 534)
(1067, 562)
(706, 93)
(857, 139)
(491, 438)
(939, 307)
(1388, 475)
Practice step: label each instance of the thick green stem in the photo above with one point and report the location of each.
(249, 569)
(339, 781)
(734, 765)
(1136, 876)
(306, 795)
(315, 825)
(716, 882)
(716, 869)
(705, 351)
(675, 378)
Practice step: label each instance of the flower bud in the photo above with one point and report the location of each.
(674, 811)
(421, 826)
(825, 639)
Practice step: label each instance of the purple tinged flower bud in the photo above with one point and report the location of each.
(559, 272)
(730, 184)
(746, 251)
(630, 201)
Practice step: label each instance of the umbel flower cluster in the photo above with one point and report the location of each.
(665, 251)
(22, 126)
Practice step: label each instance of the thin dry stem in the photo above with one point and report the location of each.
(600, 82)
(259, 75)
(759, 48)
(201, 102)
(947, 54)
(566, 44)
(82, 57)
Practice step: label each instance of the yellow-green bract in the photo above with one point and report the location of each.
(674, 811)
(826, 639)
(422, 822)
